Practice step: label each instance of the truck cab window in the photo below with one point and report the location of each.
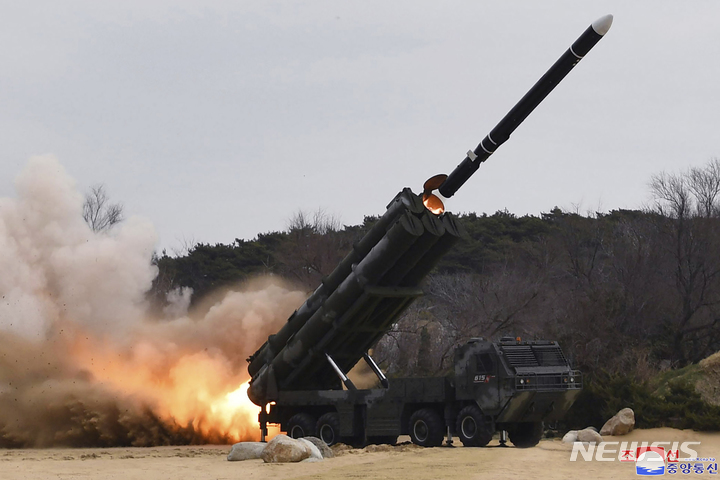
(484, 363)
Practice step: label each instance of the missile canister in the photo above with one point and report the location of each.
(399, 237)
(404, 201)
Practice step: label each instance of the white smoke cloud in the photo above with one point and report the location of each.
(55, 267)
(178, 302)
(81, 360)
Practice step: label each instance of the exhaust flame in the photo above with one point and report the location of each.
(433, 203)
(83, 363)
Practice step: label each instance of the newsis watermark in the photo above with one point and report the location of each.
(650, 459)
(627, 451)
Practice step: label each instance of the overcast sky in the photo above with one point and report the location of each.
(219, 120)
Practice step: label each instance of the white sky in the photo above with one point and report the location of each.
(219, 120)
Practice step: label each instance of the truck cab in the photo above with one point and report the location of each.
(493, 374)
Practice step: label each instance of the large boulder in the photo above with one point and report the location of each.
(622, 423)
(282, 449)
(589, 436)
(322, 446)
(246, 451)
(570, 437)
(314, 450)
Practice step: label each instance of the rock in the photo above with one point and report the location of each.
(282, 449)
(314, 450)
(591, 428)
(246, 451)
(311, 460)
(570, 437)
(589, 436)
(322, 446)
(622, 423)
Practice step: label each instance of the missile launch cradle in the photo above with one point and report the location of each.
(301, 369)
(356, 304)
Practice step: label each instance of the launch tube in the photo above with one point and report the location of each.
(404, 201)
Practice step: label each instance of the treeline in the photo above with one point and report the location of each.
(629, 292)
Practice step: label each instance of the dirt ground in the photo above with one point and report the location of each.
(550, 459)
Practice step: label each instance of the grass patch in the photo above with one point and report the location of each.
(671, 399)
(692, 374)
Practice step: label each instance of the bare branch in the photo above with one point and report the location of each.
(672, 195)
(705, 186)
(98, 212)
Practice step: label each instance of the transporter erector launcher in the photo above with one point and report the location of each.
(509, 385)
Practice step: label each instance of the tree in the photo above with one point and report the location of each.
(686, 212)
(606, 292)
(313, 247)
(424, 355)
(705, 186)
(98, 212)
(205, 267)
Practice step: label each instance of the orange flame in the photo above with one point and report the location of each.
(433, 203)
(197, 390)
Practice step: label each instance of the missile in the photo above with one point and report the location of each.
(448, 185)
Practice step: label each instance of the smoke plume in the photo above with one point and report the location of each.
(82, 363)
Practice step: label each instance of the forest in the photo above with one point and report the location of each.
(629, 294)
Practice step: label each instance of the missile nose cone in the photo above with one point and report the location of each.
(602, 24)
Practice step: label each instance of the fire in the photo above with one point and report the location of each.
(235, 411)
(87, 360)
(433, 203)
(197, 390)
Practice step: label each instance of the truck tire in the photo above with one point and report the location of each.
(472, 427)
(301, 425)
(427, 428)
(525, 435)
(327, 428)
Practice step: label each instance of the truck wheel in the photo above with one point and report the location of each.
(472, 428)
(527, 434)
(328, 428)
(426, 428)
(301, 425)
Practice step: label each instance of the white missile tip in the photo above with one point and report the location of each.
(602, 24)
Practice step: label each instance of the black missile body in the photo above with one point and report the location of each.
(525, 106)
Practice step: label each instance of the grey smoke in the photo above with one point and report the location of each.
(82, 363)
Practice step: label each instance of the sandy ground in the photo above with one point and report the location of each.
(550, 459)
